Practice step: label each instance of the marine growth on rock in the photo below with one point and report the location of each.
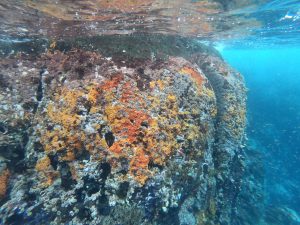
(99, 139)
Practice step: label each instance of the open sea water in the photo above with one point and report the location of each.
(273, 80)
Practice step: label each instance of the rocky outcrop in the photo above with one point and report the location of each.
(114, 136)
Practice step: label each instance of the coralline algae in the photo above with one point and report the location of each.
(89, 139)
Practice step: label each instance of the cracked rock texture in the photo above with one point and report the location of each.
(114, 136)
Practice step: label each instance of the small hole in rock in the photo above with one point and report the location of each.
(152, 165)
(123, 189)
(140, 71)
(84, 213)
(109, 138)
(91, 185)
(103, 206)
(105, 171)
(3, 129)
(100, 130)
(67, 181)
(81, 112)
(80, 72)
(145, 124)
(3, 81)
(54, 161)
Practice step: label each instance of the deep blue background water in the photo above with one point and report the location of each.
(273, 78)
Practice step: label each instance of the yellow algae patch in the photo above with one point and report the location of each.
(43, 166)
(159, 83)
(66, 134)
(172, 98)
(65, 114)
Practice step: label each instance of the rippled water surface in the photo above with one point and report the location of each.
(204, 19)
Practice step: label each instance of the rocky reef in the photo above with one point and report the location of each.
(132, 131)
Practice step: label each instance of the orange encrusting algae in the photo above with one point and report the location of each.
(135, 130)
(128, 112)
(196, 76)
(139, 166)
(4, 177)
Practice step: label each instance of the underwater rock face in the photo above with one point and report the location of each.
(99, 141)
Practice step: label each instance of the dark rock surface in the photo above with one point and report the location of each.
(121, 134)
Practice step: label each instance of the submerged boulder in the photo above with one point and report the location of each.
(121, 139)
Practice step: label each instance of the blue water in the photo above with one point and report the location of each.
(273, 78)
